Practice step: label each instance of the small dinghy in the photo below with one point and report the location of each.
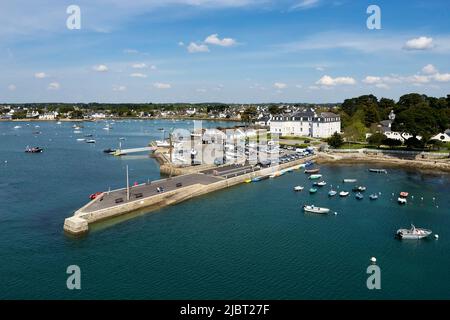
(343, 193)
(373, 196)
(315, 176)
(314, 209)
(34, 150)
(402, 200)
(349, 180)
(413, 233)
(320, 184)
(332, 193)
(298, 188)
(90, 141)
(312, 190)
(308, 171)
(359, 196)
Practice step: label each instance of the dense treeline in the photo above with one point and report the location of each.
(417, 114)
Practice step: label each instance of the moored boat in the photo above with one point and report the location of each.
(332, 193)
(33, 149)
(413, 233)
(109, 151)
(90, 141)
(298, 188)
(373, 196)
(359, 196)
(314, 209)
(359, 189)
(307, 171)
(315, 176)
(312, 190)
(349, 180)
(378, 170)
(402, 200)
(344, 193)
(248, 180)
(320, 184)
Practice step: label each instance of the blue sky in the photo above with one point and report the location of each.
(239, 51)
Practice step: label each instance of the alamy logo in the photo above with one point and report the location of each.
(374, 20)
(73, 21)
(374, 280)
(74, 280)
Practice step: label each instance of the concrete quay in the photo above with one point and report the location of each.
(176, 189)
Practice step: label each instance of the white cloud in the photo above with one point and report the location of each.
(119, 88)
(139, 66)
(421, 43)
(215, 40)
(305, 4)
(429, 69)
(138, 75)
(320, 68)
(329, 81)
(442, 77)
(194, 48)
(40, 75)
(181, 43)
(299, 86)
(280, 85)
(160, 85)
(372, 80)
(53, 86)
(100, 68)
(12, 87)
(417, 79)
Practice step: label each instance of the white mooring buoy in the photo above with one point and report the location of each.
(373, 260)
(335, 213)
(436, 236)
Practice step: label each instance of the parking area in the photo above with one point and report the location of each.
(149, 189)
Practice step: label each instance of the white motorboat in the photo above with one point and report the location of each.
(314, 209)
(349, 180)
(298, 188)
(402, 200)
(413, 233)
(344, 193)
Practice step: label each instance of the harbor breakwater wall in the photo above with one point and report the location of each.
(79, 222)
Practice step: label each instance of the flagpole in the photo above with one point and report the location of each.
(128, 186)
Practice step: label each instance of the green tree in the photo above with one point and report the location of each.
(392, 142)
(336, 140)
(376, 139)
(274, 109)
(355, 131)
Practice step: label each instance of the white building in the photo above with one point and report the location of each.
(444, 137)
(386, 129)
(306, 123)
(49, 116)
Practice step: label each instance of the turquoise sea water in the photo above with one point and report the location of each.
(251, 241)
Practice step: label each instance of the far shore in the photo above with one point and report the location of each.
(430, 166)
(122, 118)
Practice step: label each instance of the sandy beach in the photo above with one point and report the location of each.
(428, 165)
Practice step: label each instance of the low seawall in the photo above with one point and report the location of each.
(79, 222)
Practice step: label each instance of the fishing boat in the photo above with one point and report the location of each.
(344, 193)
(33, 149)
(413, 233)
(81, 139)
(402, 198)
(378, 170)
(307, 171)
(312, 190)
(314, 209)
(349, 180)
(315, 176)
(359, 189)
(359, 196)
(90, 141)
(298, 188)
(373, 196)
(320, 184)
(332, 193)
